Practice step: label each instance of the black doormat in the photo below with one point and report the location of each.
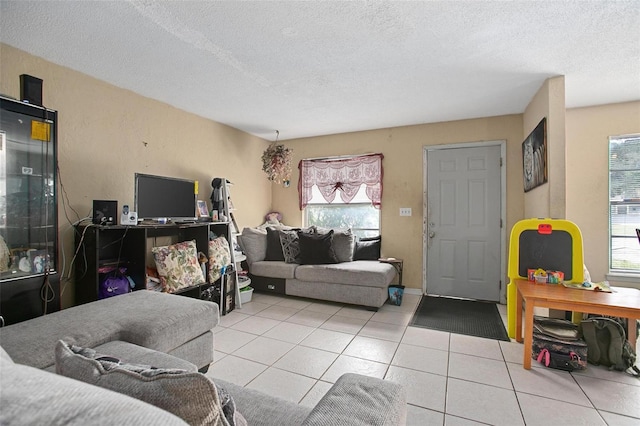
(458, 316)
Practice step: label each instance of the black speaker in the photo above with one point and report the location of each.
(105, 212)
(31, 89)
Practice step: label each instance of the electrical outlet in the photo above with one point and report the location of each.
(405, 211)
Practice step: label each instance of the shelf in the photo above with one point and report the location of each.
(243, 282)
(190, 288)
(239, 258)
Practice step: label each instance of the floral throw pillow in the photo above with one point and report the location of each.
(219, 257)
(178, 266)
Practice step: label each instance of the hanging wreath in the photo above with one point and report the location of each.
(276, 163)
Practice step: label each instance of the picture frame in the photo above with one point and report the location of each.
(39, 260)
(203, 210)
(534, 157)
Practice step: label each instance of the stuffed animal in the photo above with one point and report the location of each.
(273, 218)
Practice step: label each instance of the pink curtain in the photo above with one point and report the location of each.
(342, 174)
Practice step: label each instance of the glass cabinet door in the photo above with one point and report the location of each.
(28, 222)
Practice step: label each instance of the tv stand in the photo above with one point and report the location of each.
(130, 247)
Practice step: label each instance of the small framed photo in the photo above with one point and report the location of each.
(39, 260)
(203, 210)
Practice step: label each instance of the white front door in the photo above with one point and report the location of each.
(463, 222)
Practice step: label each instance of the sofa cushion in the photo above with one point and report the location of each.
(34, 397)
(178, 266)
(344, 242)
(189, 395)
(154, 320)
(274, 247)
(316, 248)
(260, 408)
(364, 273)
(135, 354)
(254, 244)
(4, 357)
(219, 257)
(274, 269)
(367, 248)
(363, 400)
(290, 246)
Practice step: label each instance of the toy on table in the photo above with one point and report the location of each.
(588, 285)
(541, 276)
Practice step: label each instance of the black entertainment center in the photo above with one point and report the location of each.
(166, 209)
(130, 247)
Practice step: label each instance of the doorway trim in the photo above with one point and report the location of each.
(503, 207)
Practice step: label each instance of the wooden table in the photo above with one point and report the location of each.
(398, 264)
(622, 302)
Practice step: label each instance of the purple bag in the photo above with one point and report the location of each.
(114, 283)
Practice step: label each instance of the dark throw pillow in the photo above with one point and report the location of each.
(367, 248)
(316, 249)
(274, 248)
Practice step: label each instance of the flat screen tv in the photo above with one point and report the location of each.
(165, 197)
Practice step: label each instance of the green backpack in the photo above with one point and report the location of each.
(607, 345)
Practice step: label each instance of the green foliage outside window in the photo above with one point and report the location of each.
(363, 219)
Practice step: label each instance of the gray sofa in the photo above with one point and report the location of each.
(166, 331)
(123, 326)
(358, 282)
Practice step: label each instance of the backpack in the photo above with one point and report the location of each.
(557, 344)
(115, 282)
(608, 345)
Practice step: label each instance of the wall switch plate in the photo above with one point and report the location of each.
(405, 211)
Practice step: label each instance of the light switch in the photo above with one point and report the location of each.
(405, 211)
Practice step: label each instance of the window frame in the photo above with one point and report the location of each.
(615, 204)
(318, 201)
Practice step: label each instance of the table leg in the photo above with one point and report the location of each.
(518, 317)
(528, 334)
(632, 328)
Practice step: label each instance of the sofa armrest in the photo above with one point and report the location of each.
(362, 400)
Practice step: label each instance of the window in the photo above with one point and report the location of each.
(342, 192)
(359, 214)
(624, 203)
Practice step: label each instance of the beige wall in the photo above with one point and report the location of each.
(588, 131)
(548, 200)
(403, 176)
(103, 130)
(107, 134)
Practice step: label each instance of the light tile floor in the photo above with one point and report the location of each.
(296, 348)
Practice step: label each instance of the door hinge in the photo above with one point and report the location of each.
(500, 223)
(500, 283)
(500, 161)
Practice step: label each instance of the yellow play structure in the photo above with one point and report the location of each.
(550, 244)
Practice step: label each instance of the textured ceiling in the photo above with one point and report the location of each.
(323, 67)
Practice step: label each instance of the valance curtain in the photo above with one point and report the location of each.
(341, 174)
